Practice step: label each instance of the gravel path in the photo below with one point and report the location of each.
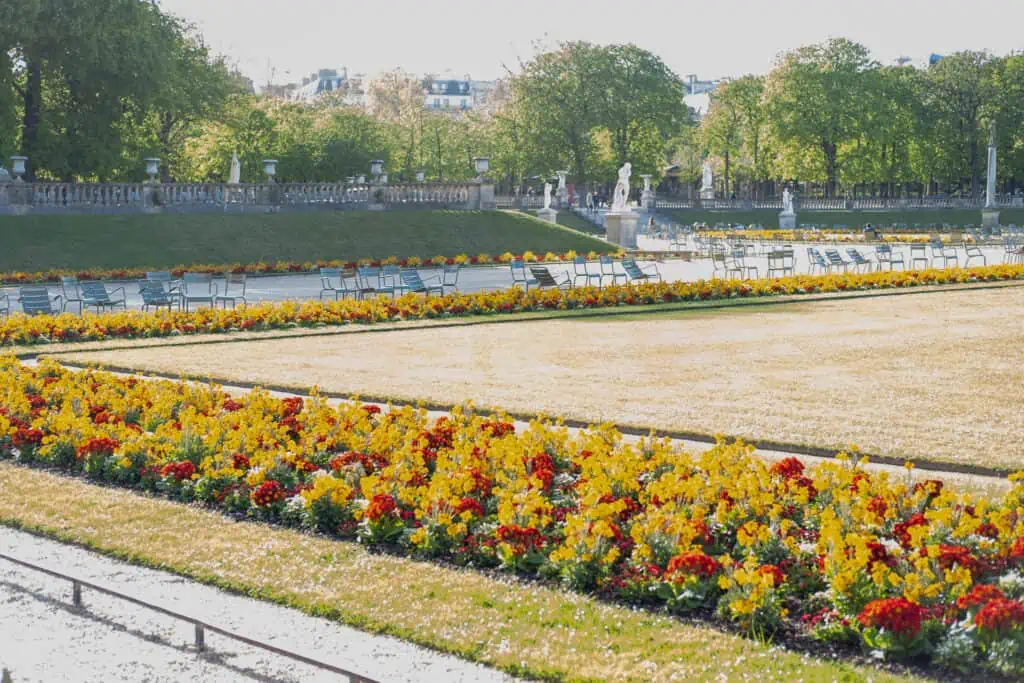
(44, 638)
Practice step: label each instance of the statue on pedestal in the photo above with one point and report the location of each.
(547, 195)
(621, 195)
(707, 185)
(787, 201)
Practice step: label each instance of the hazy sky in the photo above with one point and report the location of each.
(286, 39)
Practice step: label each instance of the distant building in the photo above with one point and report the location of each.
(695, 86)
(324, 82)
(447, 95)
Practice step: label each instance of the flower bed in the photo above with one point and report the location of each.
(853, 236)
(844, 555)
(292, 267)
(21, 329)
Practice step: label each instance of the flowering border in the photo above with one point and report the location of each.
(908, 569)
(20, 329)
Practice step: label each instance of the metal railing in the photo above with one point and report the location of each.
(201, 627)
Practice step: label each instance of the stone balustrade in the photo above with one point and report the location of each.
(185, 197)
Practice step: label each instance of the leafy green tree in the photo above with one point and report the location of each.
(959, 91)
(79, 68)
(815, 97)
(722, 128)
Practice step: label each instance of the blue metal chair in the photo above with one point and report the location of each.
(197, 288)
(581, 270)
(328, 288)
(546, 280)
(70, 292)
(95, 295)
(519, 275)
(234, 290)
(36, 300)
(608, 269)
(155, 296)
(370, 280)
(635, 272)
(412, 282)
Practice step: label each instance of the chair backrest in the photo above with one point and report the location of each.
(579, 265)
(236, 281)
(36, 300)
(198, 278)
(607, 264)
(95, 292)
(330, 272)
(833, 256)
(197, 283)
(159, 276)
(633, 270)
(412, 280)
(153, 293)
(543, 276)
(450, 275)
(69, 286)
(856, 256)
(518, 268)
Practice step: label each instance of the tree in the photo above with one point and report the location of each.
(641, 96)
(723, 126)
(816, 99)
(79, 67)
(958, 91)
(562, 93)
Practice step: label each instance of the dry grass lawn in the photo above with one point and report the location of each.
(938, 377)
(525, 629)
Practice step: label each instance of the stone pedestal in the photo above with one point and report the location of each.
(708, 193)
(989, 218)
(548, 216)
(621, 228)
(487, 200)
(787, 221)
(647, 201)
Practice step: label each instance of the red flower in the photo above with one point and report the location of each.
(778, 578)
(543, 467)
(240, 461)
(371, 410)
(878, 506)
(790, 468)
(181, 471)
(1017, 551)
(1000, 614)
(291, 406)
(381, 505)
(979, 595)
(897, 615)
(268, 493)
(901, 530)
(99, 446)
(26, 437)
(521, 539)
(470, 505)
(692, 564)
(231, 405)
(950, 555)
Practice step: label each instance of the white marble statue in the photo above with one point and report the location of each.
(708, 181)
(787, 201)
(547, 195)
(622, 188)
(236, 170)
(990, 179)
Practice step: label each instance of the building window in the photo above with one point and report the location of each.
(465, 103)
(437, 103)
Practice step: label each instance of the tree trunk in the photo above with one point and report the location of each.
(829, 150)
(973, 142)
(726, 173)
(32, 117)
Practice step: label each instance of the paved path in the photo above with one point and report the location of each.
(43, 638)
(487, 278)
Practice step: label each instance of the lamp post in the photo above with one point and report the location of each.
(420, 175)
(18, 167)
(152, 168)
(270, 168)
(481, 165)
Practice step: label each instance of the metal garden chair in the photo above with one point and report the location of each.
(634, 272)
(36, 300)
(519, 275)
(70, 292)
(608, 269)
(413, 283)
(95, 295)
(581, 270)
(198, 288)
(234, 290)
(546, 280)
(327, 287)
(155, 296)
(859, 261)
